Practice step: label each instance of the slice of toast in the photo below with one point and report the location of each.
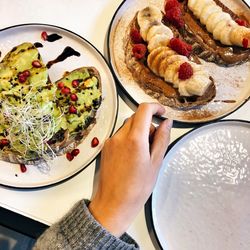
(39, 119)
(156, 86)
(76, 126)
(203, 42)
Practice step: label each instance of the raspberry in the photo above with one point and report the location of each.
(139, 50)
(135, 36)
(245, 43)
(169, 4)
(241, 22)
(180, 47)
(185, 71)
(174, 16)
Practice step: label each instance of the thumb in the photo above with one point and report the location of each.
(160, 142)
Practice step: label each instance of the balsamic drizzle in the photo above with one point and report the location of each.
(67, 52)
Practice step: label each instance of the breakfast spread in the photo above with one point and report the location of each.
(40, 119)
(163, 49)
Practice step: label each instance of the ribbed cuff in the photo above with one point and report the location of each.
(82, 231)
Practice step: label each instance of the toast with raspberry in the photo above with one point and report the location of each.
(162, 72)
(215, 32)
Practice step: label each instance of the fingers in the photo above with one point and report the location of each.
(160, 142)
(143, 117)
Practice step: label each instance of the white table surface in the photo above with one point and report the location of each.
(90, 19)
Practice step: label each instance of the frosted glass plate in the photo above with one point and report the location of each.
(202, 197)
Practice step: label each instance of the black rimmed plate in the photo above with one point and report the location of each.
(202, 196)
(60, 168)
(232, 83)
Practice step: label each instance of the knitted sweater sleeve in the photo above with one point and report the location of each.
(78, 229)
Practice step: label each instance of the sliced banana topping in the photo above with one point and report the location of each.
(165, 62)
(219, 23)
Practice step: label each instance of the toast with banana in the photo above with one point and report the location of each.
(215, 32)
(40, 119)
(165, 74)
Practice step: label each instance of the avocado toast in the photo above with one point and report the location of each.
(40, 119)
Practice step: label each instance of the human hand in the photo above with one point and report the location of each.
(129, 168)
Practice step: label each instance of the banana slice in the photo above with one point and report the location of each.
(237, 35)
(225, 33)
(147, 17)
(157, 41)
(213, 19)
(199, 5)
(153, 54)
(170, 72)
(196, 87)
(159, 29)
(155, 65)
(206, 12)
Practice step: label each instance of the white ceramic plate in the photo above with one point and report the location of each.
(60, 168)
(232, 84)
(202, 196)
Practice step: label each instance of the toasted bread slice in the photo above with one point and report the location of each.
(39, 119)
(156, 86)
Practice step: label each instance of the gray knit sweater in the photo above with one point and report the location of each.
(79, 230)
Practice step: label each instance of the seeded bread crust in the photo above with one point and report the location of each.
(204, 46)
(156, 86)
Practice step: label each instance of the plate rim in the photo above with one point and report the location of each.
(116, 98)
(111, 26)
(148, 208)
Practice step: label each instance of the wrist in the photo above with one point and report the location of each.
(113, 219)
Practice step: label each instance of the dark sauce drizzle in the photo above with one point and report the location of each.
(38, 45)
(53, 37)
(67, 52)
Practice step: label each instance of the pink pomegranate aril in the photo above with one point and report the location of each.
(22, 78)
(73, 97)
(4, 142)
(60, 85)
(72, 110)
(65, 90)
(75, 83)
(44, 35)
(26, 73)
(75, 152)
(69, 156)
(36, 64)
(94, 142)
(23, 168)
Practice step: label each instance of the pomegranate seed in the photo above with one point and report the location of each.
(22, 78)
(44, 35)
(65, 90)
(36, 64)
(94, 142)
(75, 152)
(4, 142)
(75, 83)
(69, 156)
(72, 110)
(60, 85)
(73, 97)
(245, 43)
(26, 73)
(23, 168)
